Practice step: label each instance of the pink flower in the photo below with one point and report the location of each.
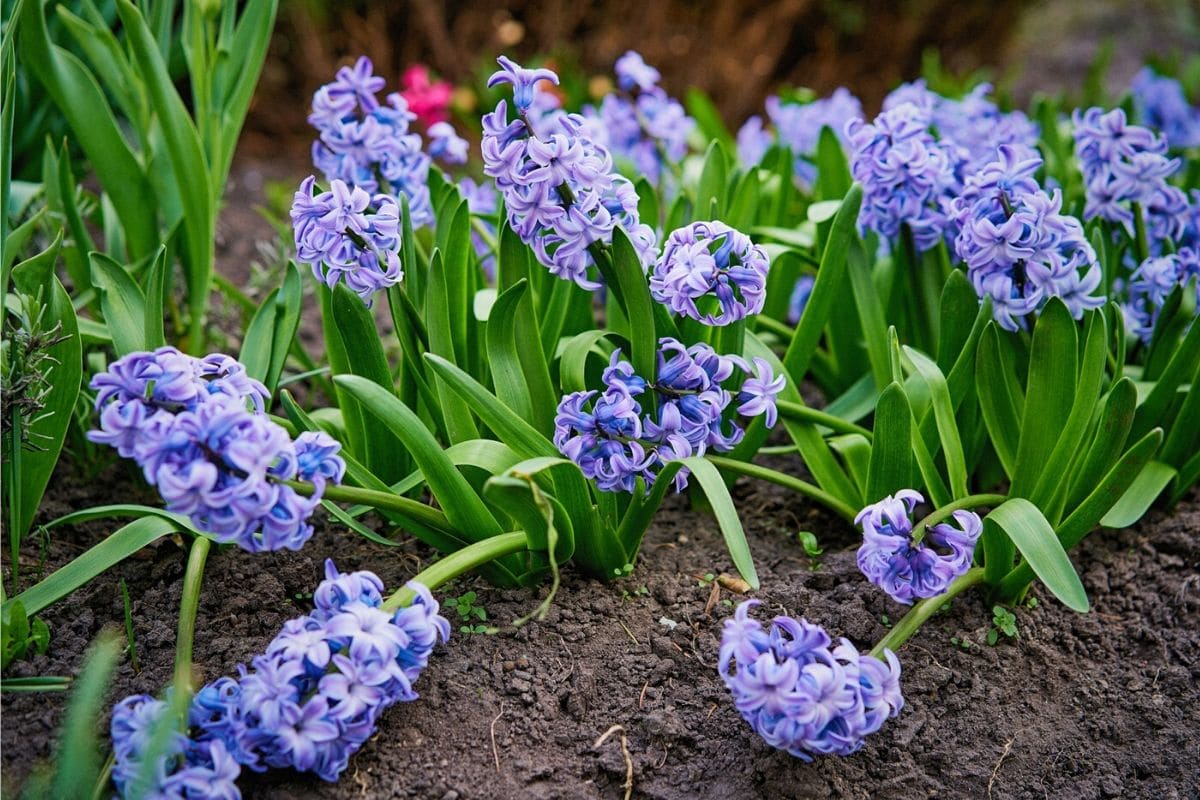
(429, 100)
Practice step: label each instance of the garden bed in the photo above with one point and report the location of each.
(1105, 704)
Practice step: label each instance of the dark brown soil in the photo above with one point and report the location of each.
(1081, 706)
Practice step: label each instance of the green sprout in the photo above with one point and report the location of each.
(1003, 622)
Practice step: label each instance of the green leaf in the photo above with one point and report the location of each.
(438, 316)
(188, 162)
(715, 490)
(1049, 394)
(707, 117)
(943, 412)
(1140, 495)
(541, 516)
(503, 357)
(828, 288)
(743, 207)
(1028, 529)
(81, 100)
(1108, 441)
(999, 407)
(156, 289)
(462, 506)
(1181, 367)
(60, 189)
(123, 304)
(833, 172)
(77, 762)
(959, 311)
(99, 559)
(891, 466)
(638, 306)
(710, 191)
(870, 313)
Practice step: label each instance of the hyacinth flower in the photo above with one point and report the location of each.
(711, 273)
(199, 431)
(802, 693)
(910, 564)
(1161, 104)
(641, 123)
(631, 431)
(1125, 170)
(798, 127)
(1019, 248)
(367, 144)
(560, 191)
(349, 236)
(1152, 283)
(309, 702)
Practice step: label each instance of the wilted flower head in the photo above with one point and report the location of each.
(558, 184)
(712, 273)
(615, 442)
(909, 570)
(1161, 104)
(346, 234)
(198, 430)
(367, 144)
(799, 691)
(1019, 248)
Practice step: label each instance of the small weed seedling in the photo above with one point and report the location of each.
(1003, 622)
(812, 549)
(464, 604)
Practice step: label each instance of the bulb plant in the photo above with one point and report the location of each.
(605, 307)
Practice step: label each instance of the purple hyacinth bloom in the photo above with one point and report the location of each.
(752, 141)
(1019, 248)
(1161, 104)
(799, 127)
(634, 73)
(199, 432)
(558, 184)
(906, 174)
(312, 700)
(446, 145)
(523, 81)
(616, 443)
(346, 234)
(1150, 285)
(367, 144)
(192, 765)
(909, 570)
(714, 265)
(800, 694)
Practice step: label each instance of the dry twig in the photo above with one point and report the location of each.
(495, 751)
(628, 785)
(996, 771)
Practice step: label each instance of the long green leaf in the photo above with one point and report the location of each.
(77, 763)
(439, 317)
(461, 504)
(123, 304)
(715, 490)
(1182, 366)
(891, 466)
(503, 357)
(1028, 529)
(1141, 494)
(1049, 394)
(99, 559)
(999, 408)
(1108, 440)
(639, 308)
(943, 412)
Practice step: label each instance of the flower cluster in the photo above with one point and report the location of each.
(799, 692)
(799, 129)
(907, 175)
(198, 430)
(346, 234)
(308, 703)
(714, 265)
(615, 441)
(973, 126)
(558, 184)
(1150, 285)
(1019, 248)
(1124, 164)
(427, 99)
(1161, 104)
(908, 569)
(642, 123)
(367, 144)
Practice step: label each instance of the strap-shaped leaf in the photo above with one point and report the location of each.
(707, 117)
(833, 172)
(1108, 440)
(123, 304)
(870, 312)
(503, 357)
(743, 206)
(1140, 495)
(943, 413)
(1049, 394)
(891, 466)
(576, 351)
(1022, 522)
(460, 426)
(454, 494)
(1000, 411)
(710, 191)
(638, 307)
(99, 559)
(1181, 367)
(713, 486)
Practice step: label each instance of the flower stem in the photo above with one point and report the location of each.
(417, 511)
(802, 413)
(193, 576)
(944, 512)
(1141, 245)
(787, 481)
(449, 567)
(922, 611)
